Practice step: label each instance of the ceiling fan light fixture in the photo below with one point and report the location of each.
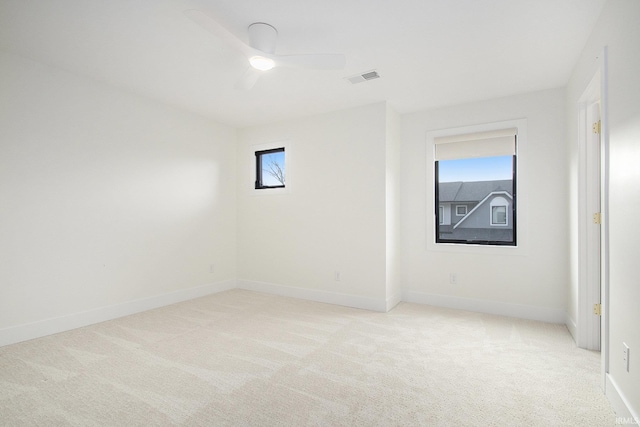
(261, 63)
(260, 51)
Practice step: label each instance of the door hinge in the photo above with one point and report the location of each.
(596, 127)
(597, 218)
(597, 309)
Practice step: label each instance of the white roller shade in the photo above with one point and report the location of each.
(480, 144)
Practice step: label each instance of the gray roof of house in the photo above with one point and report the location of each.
(473, 191)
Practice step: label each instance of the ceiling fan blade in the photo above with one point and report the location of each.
(323, 61)
(210, 24)
(248, 79)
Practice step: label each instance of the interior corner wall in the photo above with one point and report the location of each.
(618, 29)
(331, 219)
(105, 198)
(531, 281)
(393, 189)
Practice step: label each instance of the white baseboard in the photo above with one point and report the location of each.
(542, 314)
(19, 333)
(354, 301)
(572, 327)
(622, 407)
(41, 328)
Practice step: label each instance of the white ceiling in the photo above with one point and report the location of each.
(429, 53)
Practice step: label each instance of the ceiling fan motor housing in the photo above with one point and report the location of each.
(263, 37)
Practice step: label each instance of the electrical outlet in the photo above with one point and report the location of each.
(625, 355)
(453, 278)
(212, 268)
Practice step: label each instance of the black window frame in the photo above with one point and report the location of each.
(514, 187)
(259, 182)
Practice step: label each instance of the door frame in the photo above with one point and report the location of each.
(588, 331)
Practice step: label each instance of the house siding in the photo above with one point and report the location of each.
(476, 224)
(481, 217)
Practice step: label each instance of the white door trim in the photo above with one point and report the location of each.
(604, 200)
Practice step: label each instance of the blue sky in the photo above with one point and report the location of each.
(478, 169)
(278, 157)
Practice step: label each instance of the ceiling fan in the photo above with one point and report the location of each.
(261, 49)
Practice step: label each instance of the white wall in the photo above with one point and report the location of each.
(529, 281)
(333, 217)
(619, 30)
(105, 197)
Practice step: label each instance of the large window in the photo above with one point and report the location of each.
(476, 173)
(270, 168)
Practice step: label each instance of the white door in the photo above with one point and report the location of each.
(590, 218)
(593, 256)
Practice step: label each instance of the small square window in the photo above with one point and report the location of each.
(461, 210)
(270, 168)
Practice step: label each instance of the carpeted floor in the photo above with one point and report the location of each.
(241, 358)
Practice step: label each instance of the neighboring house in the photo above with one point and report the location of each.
(480, 210)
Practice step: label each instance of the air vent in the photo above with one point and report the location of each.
(369, 75)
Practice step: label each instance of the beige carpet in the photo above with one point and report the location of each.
(242, 358)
